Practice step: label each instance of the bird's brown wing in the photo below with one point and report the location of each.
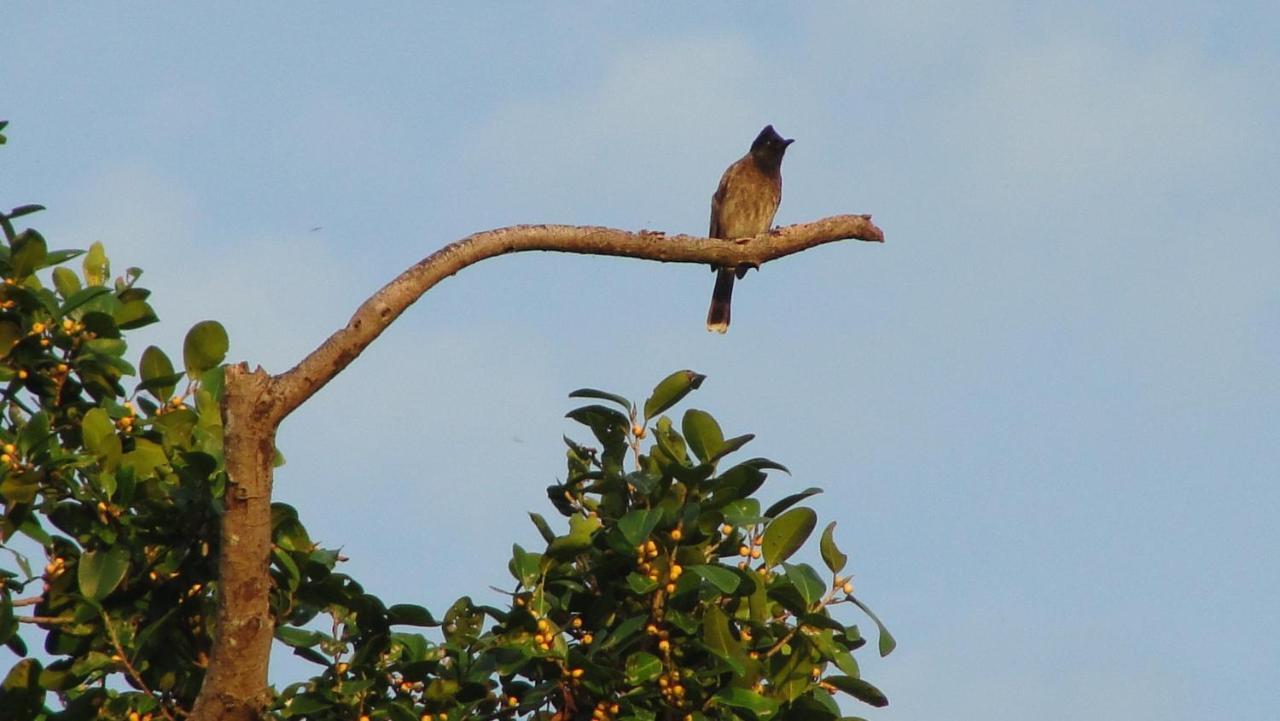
(717, 201)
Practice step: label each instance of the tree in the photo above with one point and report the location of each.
(169, 570)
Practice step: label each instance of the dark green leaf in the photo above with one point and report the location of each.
(134, 314)
(22, 210)
(720, 639)
(806, 581)
(786, 534)
(297, 637)
(860, 690)
(408, 614)
(81, 297)
(100, 571)
(205, 347)
(831, 554)
(789, 501)
(722, 578)
(638, 524)
(601, 396)
(730, 445)
(669, 392)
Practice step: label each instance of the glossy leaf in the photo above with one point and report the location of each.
(642, 668)
(204, 347)
(602, 396)
(66, 282)
(720, 640)
(760, 706)
(786, 534)
(722, 578)
(887, 641)
(29, 251)
(100, 571)
(806, 582)
(157, 370)
(860, 690)
(831, 554)
(408, 614)
(638, 524)
(670, 390)
(703, 434)
(789, 501)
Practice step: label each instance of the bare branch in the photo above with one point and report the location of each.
(254, 403)
(294, 387)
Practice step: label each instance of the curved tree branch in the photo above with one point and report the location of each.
(376, 313)
(254, 404)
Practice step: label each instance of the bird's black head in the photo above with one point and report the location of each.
(768, 146)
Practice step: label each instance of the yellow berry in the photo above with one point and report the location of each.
(513, 701)
(22, 373)
(587, 639)
(664, 645)
(676, 535)
(755, 553)
(847, 587)
(37, 327)
(576, 623)
(744, 551)
(726, 529)
(651, 629)
(577, 673)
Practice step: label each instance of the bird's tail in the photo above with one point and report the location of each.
(721, 297)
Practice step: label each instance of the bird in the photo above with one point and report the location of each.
(743, 207)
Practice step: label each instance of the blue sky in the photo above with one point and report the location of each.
(1046, 412)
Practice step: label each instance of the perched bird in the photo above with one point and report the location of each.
(743, 207)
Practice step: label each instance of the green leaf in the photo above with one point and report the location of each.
(722, 578)
(789, 501)
(642, 668)
(702, 433)
(66, 282)
(205, 346)
(887, 642)
(100, 571)
(20, 487)
(602, 396)
(97, 268)
(144, 459)
(720, 640)
(29, 251)
(408, 614)
(98, 432)
(730, 445)
(156, 369)
(831, 554)
(742, 512)
(860, 690)
(742, 698)
(22, 210)
(638, 524)
(81, 297)
(134, 314)
(669, 392)
(543, 528)
(10, 334)
(525, 567)
(806, 581)
(786, 534)
(579, 538)
(297, 637)
(21, 695)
